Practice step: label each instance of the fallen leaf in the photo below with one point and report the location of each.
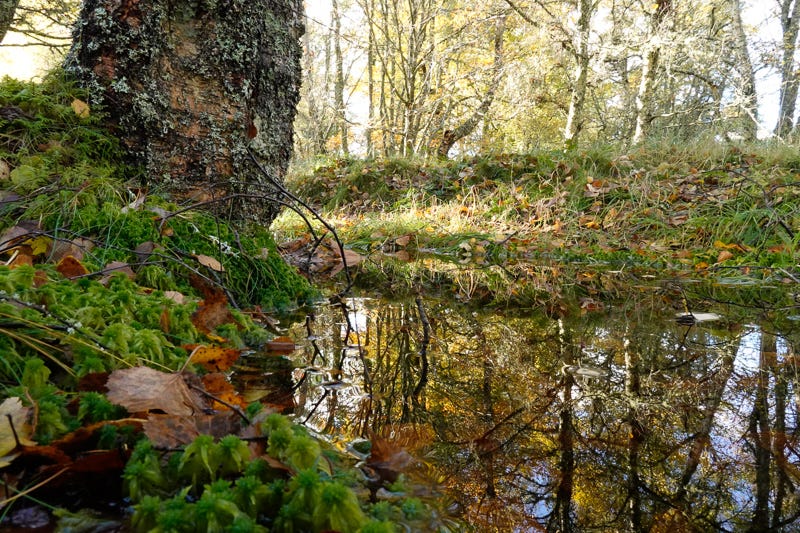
(213, 358)
(5, 170)
(213, 311)
(724, 255)
(209, 262)
(16, 234)
(13, 419)
(71, 268)
(173, 431)
(142, 389)
(80, 108)
(175, 296)
(218, 386)
(403, 241)
(114, 267)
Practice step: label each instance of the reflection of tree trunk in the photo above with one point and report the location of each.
(566, 440)
(423, 352)
(703, 433)
(636, 435)
(779, 440)
(759, 432)
(487, 458)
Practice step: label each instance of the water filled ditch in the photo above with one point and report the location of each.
(671, 406)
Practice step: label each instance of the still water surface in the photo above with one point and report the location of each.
(587, 414)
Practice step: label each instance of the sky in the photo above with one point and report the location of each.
(29, 62)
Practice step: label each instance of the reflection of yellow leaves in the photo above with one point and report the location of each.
(81, 108)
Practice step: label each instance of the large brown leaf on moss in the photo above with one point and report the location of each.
(214, 310)
(143, 389)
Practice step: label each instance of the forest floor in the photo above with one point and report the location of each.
(707, 211)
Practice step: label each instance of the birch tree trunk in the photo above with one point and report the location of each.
(194, 88)
(747, 77)
(645, 98)
(338, 86)
(575, 113)
(790, 24)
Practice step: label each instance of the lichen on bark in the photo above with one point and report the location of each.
(191, 86)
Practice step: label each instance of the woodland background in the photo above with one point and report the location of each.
(384, 78)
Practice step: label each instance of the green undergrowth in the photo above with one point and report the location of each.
(700, 211)
(300, 485)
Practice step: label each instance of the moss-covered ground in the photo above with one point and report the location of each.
(101, 274)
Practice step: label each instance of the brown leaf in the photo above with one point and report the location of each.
(76, 248)
(19, 233)
(71, 268)
(144, 251)
(142, 389)
(175, 296)
(209, 262)
(173, 431)
(724, 255)
(114, 267)
(403, 241)
(213, 310)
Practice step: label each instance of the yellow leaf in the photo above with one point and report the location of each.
(40, 244)
(81, 108)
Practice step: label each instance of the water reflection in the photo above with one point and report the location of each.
(597, 418)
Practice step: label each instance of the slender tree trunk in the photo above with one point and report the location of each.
(368, 11)
(747, 77)
(575, 113)
(450, 137)
(196, 88)
(790, 24)
(338, 86)
(7, 10)
(645, 98)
